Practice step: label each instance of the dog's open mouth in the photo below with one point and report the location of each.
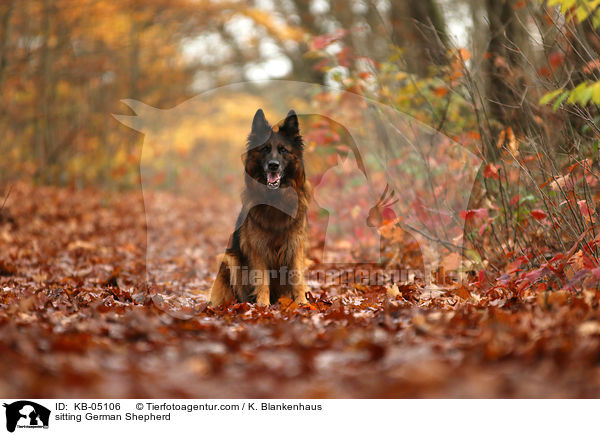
(273, 180)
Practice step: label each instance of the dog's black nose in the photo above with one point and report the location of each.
(273, 165)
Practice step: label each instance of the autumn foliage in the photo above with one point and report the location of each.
(78, 320)
(92, 306)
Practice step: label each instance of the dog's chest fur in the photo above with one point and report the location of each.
(273, 234)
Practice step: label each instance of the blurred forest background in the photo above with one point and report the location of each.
(515, 81)
(467, 67)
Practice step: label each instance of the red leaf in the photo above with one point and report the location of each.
(344, 57)
(440, 91)
(544, 72)
(536, 274)
(591, 66)
(477, 212)
(491, 171)
(388, 214)
(322, 41)
(556, 59)
(539, 214)
(583, 207)
(516, 265)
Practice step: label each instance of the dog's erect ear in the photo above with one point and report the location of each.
(290, 125)
(259, 123)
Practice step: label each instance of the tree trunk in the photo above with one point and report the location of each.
(43, 112)
(506, 83)
(304, 68)
(4, 38)
(419, 27)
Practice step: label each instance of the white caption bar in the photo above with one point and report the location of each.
(248, 416)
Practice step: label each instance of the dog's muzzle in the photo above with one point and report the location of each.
(273, 174)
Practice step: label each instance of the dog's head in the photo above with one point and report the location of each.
(274, 157)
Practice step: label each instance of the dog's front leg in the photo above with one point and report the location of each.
(299, 288)
(262, 277)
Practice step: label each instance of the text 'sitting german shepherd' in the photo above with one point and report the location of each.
(265, 257)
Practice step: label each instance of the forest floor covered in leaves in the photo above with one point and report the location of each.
(77, 319)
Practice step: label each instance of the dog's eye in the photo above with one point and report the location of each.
(283, 150)
(267, 149)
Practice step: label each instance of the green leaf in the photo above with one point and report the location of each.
(559, 100)
(528, 197)
(581, 94)
(586, 96)
(582, 9)
(596, 93)
(549, 96)
(582, 13)
(565, 5)
(596, 19)
(473, 255)
(573, 95)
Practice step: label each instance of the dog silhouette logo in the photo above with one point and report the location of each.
(336, 193)
(26, 414)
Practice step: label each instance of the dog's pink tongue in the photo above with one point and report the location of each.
(272, 177)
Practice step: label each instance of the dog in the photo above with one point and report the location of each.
(265, 258)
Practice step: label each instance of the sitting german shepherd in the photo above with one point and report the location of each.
(265, 257)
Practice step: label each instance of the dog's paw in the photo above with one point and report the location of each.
(263, 300)
(301, 299)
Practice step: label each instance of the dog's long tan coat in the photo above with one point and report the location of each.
(269, 243)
